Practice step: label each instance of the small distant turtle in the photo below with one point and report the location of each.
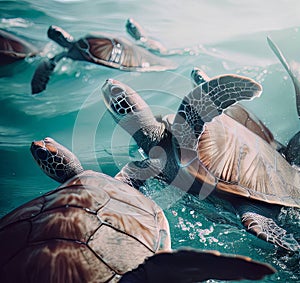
(13, 48)
(99, 48)
(292, 151)
(138, 33)
(95, 228)
(205, 152)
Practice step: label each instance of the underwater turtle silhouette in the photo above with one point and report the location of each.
(99, 48)
(14, 48)
(95, 228)
(292, 150)
(207, 153)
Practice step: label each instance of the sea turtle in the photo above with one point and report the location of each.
(13, 48)
(95, 228)
(134, 29)
(99, 48)
(205, 152)
(292, 151)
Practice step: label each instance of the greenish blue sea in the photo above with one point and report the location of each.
(224, 36)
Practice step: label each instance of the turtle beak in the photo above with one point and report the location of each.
(35, 146)
(108, 85)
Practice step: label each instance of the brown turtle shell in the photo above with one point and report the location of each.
(120, 53)
(235, 160)
(250, 121)
(93, 228)
(13, 48)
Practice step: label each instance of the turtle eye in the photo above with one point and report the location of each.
(42, 154)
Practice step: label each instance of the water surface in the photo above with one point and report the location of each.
(226, 36)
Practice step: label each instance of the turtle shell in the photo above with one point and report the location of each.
(107, 50)
(237, 161)
(93, 228)
(250, 121)
(13, 48)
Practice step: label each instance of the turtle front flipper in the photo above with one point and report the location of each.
(266, 229)
(133, 114)
(43, 72)
(240, 114)
(205, 102)
(45, 68)
(292, 150)
(189, 265)
(136, 173)
(288, 68)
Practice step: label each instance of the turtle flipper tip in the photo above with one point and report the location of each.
(272, 44)
(41, 76)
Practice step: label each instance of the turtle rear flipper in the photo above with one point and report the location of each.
(194, 266)
(266, 229)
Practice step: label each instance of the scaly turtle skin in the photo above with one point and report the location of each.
(13, 48)
(94, 228)
(205, 152)
(99, 48)
(293, 148)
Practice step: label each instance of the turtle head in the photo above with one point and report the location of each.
(55, 160)
(134, 29)
(198, 76)
(132, 113)
(60, 36)
(121, 100)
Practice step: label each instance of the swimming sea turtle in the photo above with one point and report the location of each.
(138, 33)
(292, 151)
(99, 48)
(13, 48)
(95, 228)
(205, 152)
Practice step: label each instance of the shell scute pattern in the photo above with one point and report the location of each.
(112, 239)
(59, 224)
(108, 215)
(26, 211)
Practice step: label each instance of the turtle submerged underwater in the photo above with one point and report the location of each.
(205, 152)
(14, 48)
(95, 228)
(102, 49)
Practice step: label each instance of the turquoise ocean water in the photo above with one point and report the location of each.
(224, 36)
